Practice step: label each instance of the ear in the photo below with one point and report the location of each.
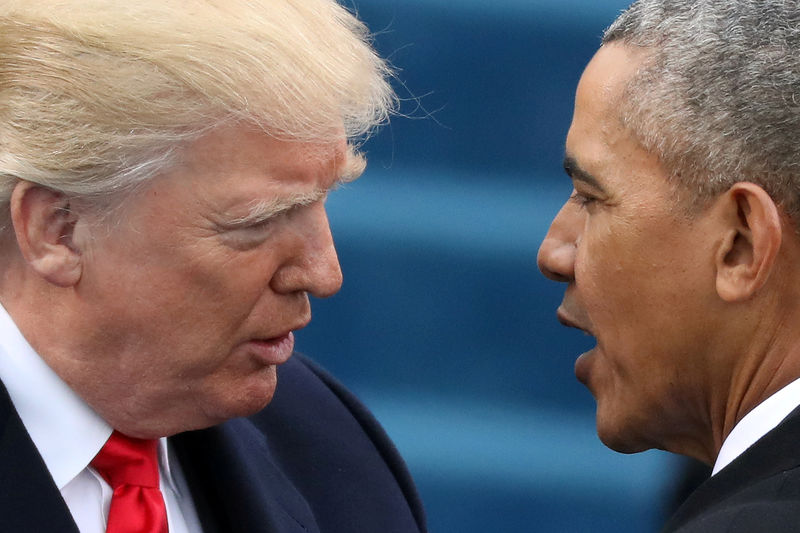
(753, 235)
(44, 227)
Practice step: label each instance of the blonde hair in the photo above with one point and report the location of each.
(97, 96)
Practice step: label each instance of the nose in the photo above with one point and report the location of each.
(556, 259)
(314, 268)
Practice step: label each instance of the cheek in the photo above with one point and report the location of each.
(625, 280)
(186, 310)
(605, 264)
(217, 276)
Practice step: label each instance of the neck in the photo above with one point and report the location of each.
(767, 360)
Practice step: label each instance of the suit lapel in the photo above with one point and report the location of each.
(236, 486)
(772, 454)
(29, 499)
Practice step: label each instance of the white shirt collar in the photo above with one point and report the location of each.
(757, 423)
(65, 430)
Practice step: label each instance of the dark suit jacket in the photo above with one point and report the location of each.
(315, 460)
(758, 492)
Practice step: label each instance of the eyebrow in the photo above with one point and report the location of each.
(574, 171)
(263, 210)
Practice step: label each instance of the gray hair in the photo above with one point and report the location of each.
(718, 95)
(97, 96)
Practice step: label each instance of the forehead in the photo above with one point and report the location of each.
(597, 140)
(233, 168)
(601, 89)
(248, 152)
(230, 171)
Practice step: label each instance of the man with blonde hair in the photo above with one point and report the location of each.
(680, 248)
(163, 171)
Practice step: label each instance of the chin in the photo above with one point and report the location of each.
(622, 445)
(237, 399)
(218, 412)
(203, 407)
(247, 400)
(621, 436)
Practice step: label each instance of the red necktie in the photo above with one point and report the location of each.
(130, 466)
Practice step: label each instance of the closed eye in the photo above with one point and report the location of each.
(582, 200)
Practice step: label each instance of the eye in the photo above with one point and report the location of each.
(582, 200)
(266, 224)
(250, 235)
(261, 225)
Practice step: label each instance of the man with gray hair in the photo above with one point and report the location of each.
(680, 248)
(163, 171)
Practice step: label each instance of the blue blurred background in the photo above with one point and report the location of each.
(444, 326)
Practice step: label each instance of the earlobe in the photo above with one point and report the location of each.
(752, 235)
(44, 227)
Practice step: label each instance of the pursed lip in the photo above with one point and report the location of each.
(567, 319)
(273, 351)
(300, 324)
(277, 349)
